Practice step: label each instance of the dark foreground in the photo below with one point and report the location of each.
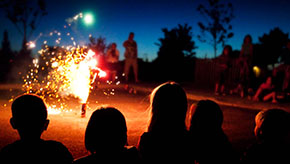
(69, 128)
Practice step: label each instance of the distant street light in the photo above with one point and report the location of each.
(257, 71)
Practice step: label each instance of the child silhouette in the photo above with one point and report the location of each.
(106, 138)
(29, 118)
(209, 142)
(273, 138)
(166, 140)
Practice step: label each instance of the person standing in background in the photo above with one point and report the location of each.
(112, 58)
(245, 64)
(224, 63)
(131, 59)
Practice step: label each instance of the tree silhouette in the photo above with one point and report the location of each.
(273, 44)
(25, 15)
(217, 18)
(99, 46)
(175, 50)
(176, 44)
(6, 48)
(270, 47)
(6, 56)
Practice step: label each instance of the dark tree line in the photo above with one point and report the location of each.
(7, 57)
(175, 60)
(269, 48)
(176, 55)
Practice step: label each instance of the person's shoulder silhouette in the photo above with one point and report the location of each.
(166, 139)
(106, 138)
(272, 131)
(209, 142)
(29, 118)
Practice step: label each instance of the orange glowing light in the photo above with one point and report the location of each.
(31, 45)
(71, 73)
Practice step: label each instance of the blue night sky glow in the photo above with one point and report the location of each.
(114, 19)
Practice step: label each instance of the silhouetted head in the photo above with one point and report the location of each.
(29, 116)
(106, 131)
(206, 116)
(227, 50)
(114, 46)
(131, 36)
(168, 103)
(248, 39)
(272, 125)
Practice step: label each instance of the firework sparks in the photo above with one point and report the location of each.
(31, 44)
(62, 71)
(69, 72)
(74, 18)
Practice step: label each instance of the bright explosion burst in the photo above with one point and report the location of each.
(61, 73)
(64, 72)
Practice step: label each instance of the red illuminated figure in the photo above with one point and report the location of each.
(112, 58)
(224, 64)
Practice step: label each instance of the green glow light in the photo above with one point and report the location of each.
(88, 19)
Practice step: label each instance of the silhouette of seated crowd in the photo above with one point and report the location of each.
(167, 138)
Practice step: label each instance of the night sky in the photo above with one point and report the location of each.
(114, 19)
